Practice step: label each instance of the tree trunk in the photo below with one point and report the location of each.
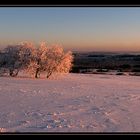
(36, 73)
(11, 72)
(49, 74)
(37, 70)
(16, 73)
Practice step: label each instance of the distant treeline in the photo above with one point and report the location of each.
(122, 62)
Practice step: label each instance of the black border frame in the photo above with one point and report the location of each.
(59, 3)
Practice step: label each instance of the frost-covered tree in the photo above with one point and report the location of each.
(36, 65)
(57, 61)
(16, 57)
(11, 59)
(26, 54)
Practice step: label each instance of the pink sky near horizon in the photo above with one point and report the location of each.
(78, 29)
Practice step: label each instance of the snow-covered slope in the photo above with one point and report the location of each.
(74, 103)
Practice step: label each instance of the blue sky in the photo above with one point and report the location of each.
(76, 28)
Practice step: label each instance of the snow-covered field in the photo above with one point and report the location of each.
(73, 103)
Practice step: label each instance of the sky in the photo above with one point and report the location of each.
(75, 28)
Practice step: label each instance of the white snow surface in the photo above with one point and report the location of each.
(72, 103)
